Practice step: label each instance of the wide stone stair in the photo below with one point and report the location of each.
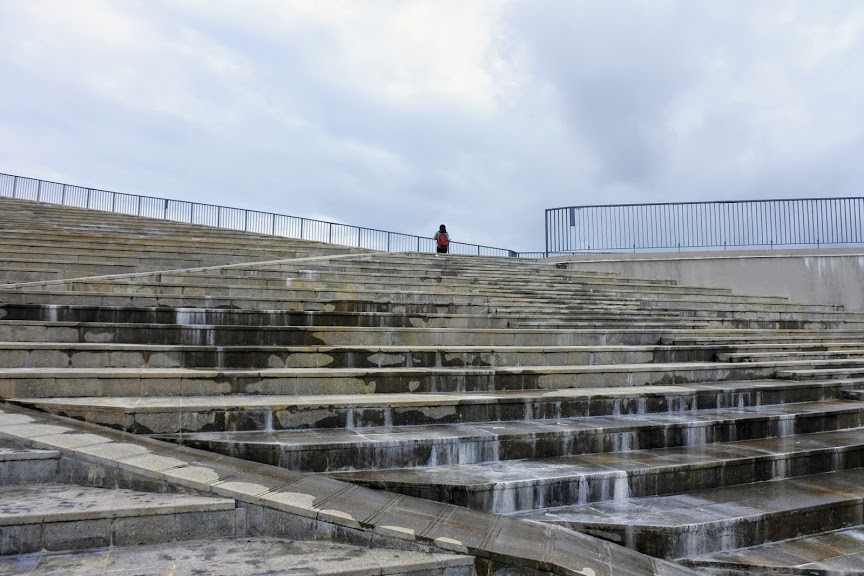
(713, 429)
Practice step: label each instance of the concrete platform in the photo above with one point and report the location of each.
(239, 557)
(37, 517)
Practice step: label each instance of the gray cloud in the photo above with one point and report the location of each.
(408, 114)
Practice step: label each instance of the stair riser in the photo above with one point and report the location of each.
(330, 358)
(311, 336)
(29, 471)
(149, 384)
(124, 531)
(448, 451)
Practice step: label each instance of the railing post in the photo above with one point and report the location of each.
(63, 196)
(39, 191)
(88, 197)
(165, 211)
(246, 221)
(139, 206)
(113, 201)
(15, 187)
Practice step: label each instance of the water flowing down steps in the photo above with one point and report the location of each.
(48, 527)
(836, 553)
(514, 387)
(278, 412)
(521, 486)
(707, 521)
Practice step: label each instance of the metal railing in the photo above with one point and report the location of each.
(24, 188)
(803, 222)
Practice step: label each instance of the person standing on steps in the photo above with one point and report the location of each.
(442, 240)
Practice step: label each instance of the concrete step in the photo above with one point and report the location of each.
(330, 450)
(328, 314)
(224, 335)
(839, 371)
(836, 553)
(707, 521)
(214, 335)
(69, 517)
(754, 336)
(95, 355)
(241, 556)
(27, 466)
(412, 304)
(241, 412)
(525, 485)
(717, 323)
(109, 355)
(311, 505)
(762, 356)
(148, 382)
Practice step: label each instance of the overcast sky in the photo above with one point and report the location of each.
(404, 114)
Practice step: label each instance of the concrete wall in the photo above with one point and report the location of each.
(826, 276)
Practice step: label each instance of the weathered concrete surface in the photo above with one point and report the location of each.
(240, 557)
(283, 503)
(819, 276)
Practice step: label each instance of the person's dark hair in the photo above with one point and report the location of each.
(442, 228)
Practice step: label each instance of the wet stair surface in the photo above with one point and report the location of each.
(691, 424)
(51, 526)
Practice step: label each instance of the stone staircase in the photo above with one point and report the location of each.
(719, 431)
(52, 526)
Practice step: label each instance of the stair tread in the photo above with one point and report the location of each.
(38, 503)
(237, 557)
(238, 401)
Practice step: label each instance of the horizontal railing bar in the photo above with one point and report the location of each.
(240, 219)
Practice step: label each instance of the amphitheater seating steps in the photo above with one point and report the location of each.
(681, 421)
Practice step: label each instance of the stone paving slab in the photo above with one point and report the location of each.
(240, 557)
(39, 503)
